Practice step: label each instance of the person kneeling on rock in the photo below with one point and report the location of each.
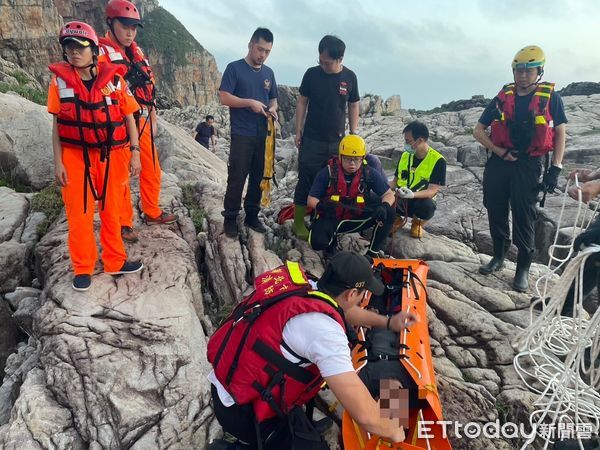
(420, 174)
(272, 354)
(341, 197)
(95, 144)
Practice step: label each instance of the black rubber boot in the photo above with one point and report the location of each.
(521, 281)
(501, 246)
(230, 227)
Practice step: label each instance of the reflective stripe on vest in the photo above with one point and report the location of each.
(419, 176)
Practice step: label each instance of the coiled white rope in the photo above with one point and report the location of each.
(557, 354)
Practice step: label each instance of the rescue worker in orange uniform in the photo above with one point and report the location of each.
(119, 47)
(95, 143)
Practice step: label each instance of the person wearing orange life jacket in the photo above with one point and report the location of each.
(528, 122)
(119, 47)
(271, 354)
(93, 127)
(420, 174)
(341, 197)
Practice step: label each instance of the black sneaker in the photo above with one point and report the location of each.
(255, 224)
(230, 227)
(82, 283)
(128, 267)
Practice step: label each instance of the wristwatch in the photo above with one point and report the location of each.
(135, 148)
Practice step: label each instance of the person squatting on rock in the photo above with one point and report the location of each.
(325, 91)
(528, 122)
(248, 87)
(348, 196)
(589, 190)
(420, 174)
(118, 46)
(95, 144)
(205, 133)
(270, 361)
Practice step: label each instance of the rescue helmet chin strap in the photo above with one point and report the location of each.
(110, 23)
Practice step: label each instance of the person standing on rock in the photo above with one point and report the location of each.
(277, 356)
(248, 87)
(325, 91)
(95, 144)
(528, 121)
(342, 197)
(205, 132)
(420, 174)
(118, 46)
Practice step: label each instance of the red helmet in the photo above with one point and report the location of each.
(125, 11)
(80, 32)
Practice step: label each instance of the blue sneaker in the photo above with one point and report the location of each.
(82, 282)
(128, 267)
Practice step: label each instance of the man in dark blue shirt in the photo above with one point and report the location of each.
(205, 133)
(341, 197)
(528, 122)
(248, 87)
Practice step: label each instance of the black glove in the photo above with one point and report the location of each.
(325, 208)
(551, 178)
(588, 237)
(380, 213)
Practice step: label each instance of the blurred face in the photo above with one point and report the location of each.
(351, 164)
(125, 34)
(525, 77)
(78, 55)
(258, 52)
(328, 64)
(352, 298)
(210, 122)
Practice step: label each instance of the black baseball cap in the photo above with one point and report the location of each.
(353, 271)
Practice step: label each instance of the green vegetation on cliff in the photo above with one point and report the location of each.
(163, 33)
(23, 88)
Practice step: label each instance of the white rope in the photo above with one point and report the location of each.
(554, 349)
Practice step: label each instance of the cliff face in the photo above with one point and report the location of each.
(28, 31)
(187, 74)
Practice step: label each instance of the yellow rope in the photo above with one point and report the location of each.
(269, 169)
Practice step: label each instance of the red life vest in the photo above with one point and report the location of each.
(346, 194)
(542, 140)
(136, 71)
(246, 350)
(90, 119)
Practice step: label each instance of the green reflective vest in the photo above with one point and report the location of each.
(417, 179)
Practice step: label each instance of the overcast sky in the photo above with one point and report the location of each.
(427, 51)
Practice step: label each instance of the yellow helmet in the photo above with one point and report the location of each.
(352, 145)
(529, 57)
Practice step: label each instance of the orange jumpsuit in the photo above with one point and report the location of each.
(151, 172)
(80, 212)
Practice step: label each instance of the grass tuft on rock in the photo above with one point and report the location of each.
(197, 214)
(48, 201)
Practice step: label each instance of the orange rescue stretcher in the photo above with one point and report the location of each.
(416, 359)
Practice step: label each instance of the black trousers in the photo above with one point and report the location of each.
(246, 160)
(324, 230)
(513, 185)
(421, 208)
(312, 157)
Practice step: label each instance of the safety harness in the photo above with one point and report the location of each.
(246, 350)
(536, 135)
(90, 120)
(349, 197)
(140, 80)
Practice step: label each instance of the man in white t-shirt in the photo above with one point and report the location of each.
(318, 339)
